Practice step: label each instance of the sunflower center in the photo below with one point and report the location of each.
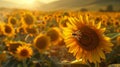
(41, 42)
(116, 23)
(21, 30)
(13, 21)
(53, 34)
(24, 52)
(108, 23)
(28, 19)
(87, 38)
(8, 29)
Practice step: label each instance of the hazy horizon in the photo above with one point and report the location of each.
(59, 4)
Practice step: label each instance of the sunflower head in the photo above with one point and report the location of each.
(28, 19)
(24, 52)
(8, 30)
(12, 46)
(12, 20)
(86, 40)
(116, 23)
(108, 23)
(63, 22)
(42, 42)
(31, 31)
(45, 18)
(54, 34)
(21, 29)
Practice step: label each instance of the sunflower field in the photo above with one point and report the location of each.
(59, 39)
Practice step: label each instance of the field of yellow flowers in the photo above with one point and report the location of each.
(47, 39)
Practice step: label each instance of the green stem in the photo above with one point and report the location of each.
(24, 63)
(97, 65)
(88, 64)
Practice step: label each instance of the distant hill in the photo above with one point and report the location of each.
(92, 5)
(66, 4)
(77, 4)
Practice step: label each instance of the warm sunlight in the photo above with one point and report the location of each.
(59, 33)
(27, 1)
(47, 1)
(21, 1)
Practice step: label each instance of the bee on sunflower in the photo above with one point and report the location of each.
(55, 35)
(28, 19)
(41, 42)
(8, 30)
(23, 52)
(86, 40)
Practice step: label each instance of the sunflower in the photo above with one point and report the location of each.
(28, 19)
(86, 40)
(116, 23)
(108, 23)
(12, 46)
(24, 52)
(31, 31)
(55, 34)
(45, 18)
(21, 29)
(63, 22)
(8, 30)
(42, 42)
(12, 20)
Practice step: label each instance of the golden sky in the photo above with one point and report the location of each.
(59, 4)
(29, 1)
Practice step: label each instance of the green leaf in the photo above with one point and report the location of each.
(113, 35)
(19, 65)
(0, 52)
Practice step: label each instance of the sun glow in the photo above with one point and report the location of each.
(28, 1)
(28, 4)
(21, 1)
(47, 1)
